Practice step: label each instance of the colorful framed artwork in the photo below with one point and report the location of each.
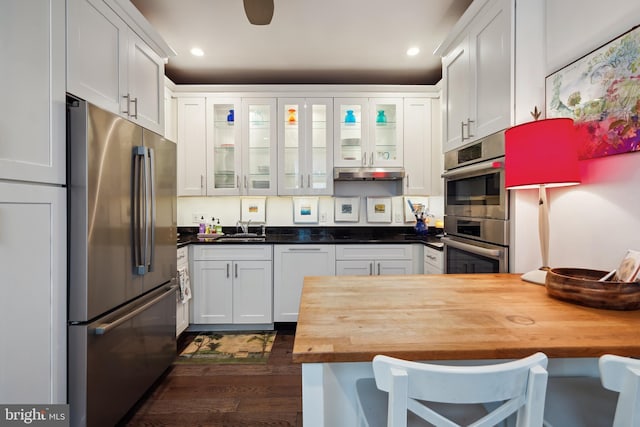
(347, 209)
(379, 209)
(253, 209)
(601, 93)
(305, 210)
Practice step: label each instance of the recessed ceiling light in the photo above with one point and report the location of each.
(196, 51)
(413, 51)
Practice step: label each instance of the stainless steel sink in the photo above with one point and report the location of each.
(241, 237)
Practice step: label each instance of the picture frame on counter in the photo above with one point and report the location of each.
(379, 209)
(420, 204)
(253, 209)
(347, 209)
(305, 210)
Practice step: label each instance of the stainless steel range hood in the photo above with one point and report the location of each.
(368, 174)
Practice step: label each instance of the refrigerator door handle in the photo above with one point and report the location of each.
(152, 206)
(104, 328)
(137, 185)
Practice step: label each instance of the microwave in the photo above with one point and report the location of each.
(474, 180)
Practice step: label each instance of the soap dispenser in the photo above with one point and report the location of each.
(202, 226)
(218, 227)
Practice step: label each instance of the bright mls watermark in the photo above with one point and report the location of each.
(34, 415)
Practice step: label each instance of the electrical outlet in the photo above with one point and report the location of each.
(323, 217)
(197, 217)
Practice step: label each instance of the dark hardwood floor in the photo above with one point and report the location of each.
(216, 395)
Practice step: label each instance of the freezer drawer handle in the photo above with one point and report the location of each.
(106, 327)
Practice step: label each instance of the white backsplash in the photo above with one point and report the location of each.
(279, 211)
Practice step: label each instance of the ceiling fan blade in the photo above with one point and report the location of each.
(259, 12)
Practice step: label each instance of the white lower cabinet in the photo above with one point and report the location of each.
(374, 260)
(232, 284)
(33, 253)
(291, 264)
(182, 307)
(433, 261)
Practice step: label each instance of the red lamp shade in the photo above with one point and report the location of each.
(542, 152)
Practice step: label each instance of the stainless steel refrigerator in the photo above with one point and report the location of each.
(122, 262)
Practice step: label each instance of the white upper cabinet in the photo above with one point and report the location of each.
(476, 69)
(109, 65)
(224, 146)
(368, 132)
(259, 147)
(191, 147)
(32, 123)
(305, 146)
(146, 85)
(422, 147)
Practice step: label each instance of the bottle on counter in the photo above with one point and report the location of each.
(218, 227)
(202, 228)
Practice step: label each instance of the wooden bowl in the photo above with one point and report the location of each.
(581, 286)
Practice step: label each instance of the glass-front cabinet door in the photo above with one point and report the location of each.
(223, 146)
(305, 151)
(259, 159)
(385, 139)
(351, 117)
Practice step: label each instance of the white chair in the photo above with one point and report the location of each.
(611, 400)
(405, 393)
(622, 374)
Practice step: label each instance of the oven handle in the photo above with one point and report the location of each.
(491, 253)
(478, 167)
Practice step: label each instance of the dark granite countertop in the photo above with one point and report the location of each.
(321, 235)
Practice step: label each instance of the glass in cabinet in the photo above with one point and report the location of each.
(259, 141)
(350, 132)
(369, 132)
(224, 145)
(385, 145)
(305, 146)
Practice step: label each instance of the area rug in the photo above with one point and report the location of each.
(229, 347)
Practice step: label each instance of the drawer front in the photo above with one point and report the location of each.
(433, 257)
(373, 251)
(226, 252)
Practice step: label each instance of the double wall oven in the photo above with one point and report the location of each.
(476, 208)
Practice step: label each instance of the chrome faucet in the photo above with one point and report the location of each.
(243, 226)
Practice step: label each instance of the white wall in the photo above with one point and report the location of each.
(592, 225)
(279, 210)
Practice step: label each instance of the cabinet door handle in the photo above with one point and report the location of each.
(238, 182)
(364, 158)
(128, 98)
(309, 180)
(370, 269)
(135, 104)
(301, 181)
(371, 160)
(201, 181)
(236, 270)
(227, 270)
(246, 182)
(462, 125)
(378, 269)
(407, 176)
(469, 121)
(303, 249)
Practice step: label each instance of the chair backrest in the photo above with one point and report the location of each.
(520, 384)
(622, 374)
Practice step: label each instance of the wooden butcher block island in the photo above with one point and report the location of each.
(345, 321)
